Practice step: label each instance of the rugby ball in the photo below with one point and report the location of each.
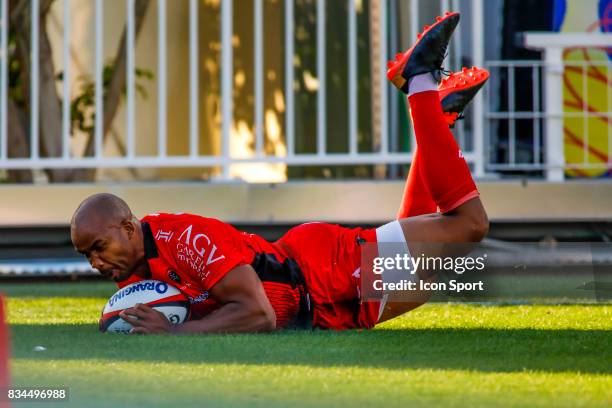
(159, 295)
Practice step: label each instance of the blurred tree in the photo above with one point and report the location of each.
(50, 104)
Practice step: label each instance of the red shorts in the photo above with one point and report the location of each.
(330, 258)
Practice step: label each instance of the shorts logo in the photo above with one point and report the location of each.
(174, 276)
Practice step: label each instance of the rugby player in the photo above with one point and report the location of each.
(239, 282)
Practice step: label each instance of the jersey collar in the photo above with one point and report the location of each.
(149, 242)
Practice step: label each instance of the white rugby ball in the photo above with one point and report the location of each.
(157, 294)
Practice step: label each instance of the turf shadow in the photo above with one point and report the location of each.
(507, 350)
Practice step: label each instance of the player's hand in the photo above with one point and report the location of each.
(146, 320)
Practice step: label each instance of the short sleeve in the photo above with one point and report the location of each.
(208, 249)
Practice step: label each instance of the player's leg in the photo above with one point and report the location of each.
(416, 199)
(462, 217)
(467, 223)
(440, 163)
(455, 94)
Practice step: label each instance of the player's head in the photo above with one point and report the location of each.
(104, 229)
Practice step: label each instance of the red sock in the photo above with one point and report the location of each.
(441, 164)
(417, 198)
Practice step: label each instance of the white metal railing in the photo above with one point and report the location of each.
(224, 160)
(35, 61)
(3, 80)
(99, 68)
(547, 114)
(553, 46)
(226, 83)
(547, 139)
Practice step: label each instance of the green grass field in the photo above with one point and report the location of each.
(438, 355)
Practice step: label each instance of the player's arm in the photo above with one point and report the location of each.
(245, 308)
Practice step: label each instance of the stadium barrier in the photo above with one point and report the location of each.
(478, 136)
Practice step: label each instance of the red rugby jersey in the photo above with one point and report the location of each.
(193, 253)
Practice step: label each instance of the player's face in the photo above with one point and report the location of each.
(109, 249)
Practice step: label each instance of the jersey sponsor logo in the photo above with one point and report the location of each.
(198, 299)
(159, 287)
(174, 276)
(198, 251)
(164, 235)
(185, 254)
